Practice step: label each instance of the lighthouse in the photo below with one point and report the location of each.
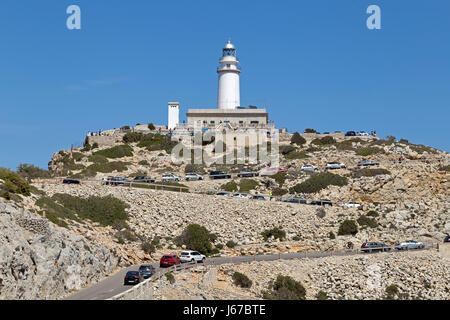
(228, 96)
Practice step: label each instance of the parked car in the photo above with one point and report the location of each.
(192, 176)
(247, 173)
(365, 162)
(219, 175)
(71, 181)
(374, 246)
(447, 239)
(144, 179)
(308, 167)
(350, 134)
(258, 197)
(335, 165)
(271, 171)
(132, 277)
(107, 181)
(351, 204)
(362, 133)
(169, 260)
(191, 256)
(223, 194)
(241, 195)
(410, 244)
(295, 200)
(170, 178)
(146, 270)
(322, 202)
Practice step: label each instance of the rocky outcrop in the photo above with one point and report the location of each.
(39, 260)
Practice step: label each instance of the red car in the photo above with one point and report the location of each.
(169, 260)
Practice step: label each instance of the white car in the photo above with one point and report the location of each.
(241, 195)
(351, 204)
(308, 167)
(191, 176)
(191, 256)
(362, 133)
(170, 177)
(271, 171)
(410, 244)
(335, 165)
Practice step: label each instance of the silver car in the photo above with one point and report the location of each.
(193, 176)
(170, 177)
(410, 244)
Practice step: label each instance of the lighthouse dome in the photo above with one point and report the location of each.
(229, 45)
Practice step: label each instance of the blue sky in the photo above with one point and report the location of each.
(314, 63)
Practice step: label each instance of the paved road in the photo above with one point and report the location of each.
(113, 284)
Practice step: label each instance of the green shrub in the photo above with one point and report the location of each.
(170, 277)
(297, 139)
(231, 244)
(367, 151)
(104, 210)
(108, 167)
(230, 186)
(279, 177)
(143, 163)
(32, 172)
(331, 235)
(392, 291)
(148, 247)
(198, 238)
(322, 295)
(125, 128)
(166, 186)
(94, 146)
(14, 183)
(327, 140)
(296, 155)
(285, 288)
(120, 151)
(219, 246)
(278, 192)
(348, 227)
(131, 137)
(309, 130)
(365, 221)
(241, 280)
(444, 168)
(96, 158)
(318, 182)
(154, 142)
(77, 156)
(284, 150)
(367, 172)
(373, 213)
(245, 185)
(55, 212)
(276, 233)
(151, 126)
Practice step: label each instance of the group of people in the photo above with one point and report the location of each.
(96, 133)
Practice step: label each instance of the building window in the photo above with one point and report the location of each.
(212, 122)
(241, 121)
(254, 122)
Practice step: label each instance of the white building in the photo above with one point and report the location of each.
(174, 115)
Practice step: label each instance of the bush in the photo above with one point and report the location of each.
(14, 183)
(284, 150)
(148, 248)
(366, 172)
(219, 246)
(92, 170)
(143, 163)
(131, 137)
(105, 210)
(198, 238)
(121, 151)
(318, 182)
(230, 186)
(247, 184)
(444, 168)
(320, 212)
(327, 140)
(96, 158)
(151, 126)
(31, 172)
(241, 280)
(279, 177)
(322, 295)
(285, 288)
(309, 130)
(392, 291)
(94, 146)
(331, 235)
(373, 213)
(365, 221)
(154, 142)
(348, 227)
(170, 277)
(55, 212)
(296, 155)
(278, 192)
(297, 139)
(231, 244)
(276, 233)
(367, 151)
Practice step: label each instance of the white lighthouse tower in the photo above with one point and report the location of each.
(228, 96)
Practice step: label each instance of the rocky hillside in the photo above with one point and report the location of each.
(407, 275)
(39, 260)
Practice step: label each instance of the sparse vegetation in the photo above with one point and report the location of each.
(120, 151)
(365, 221)
(279, 177)
(151, 126)
(32, 172)
(297, 139)
(245, 185)
(322, 295)
(198, 238)
(131, 137)
(285, 288)
(143, 163)
(318, 182)
(366, 172)
(367, 151)
(230, 186)
(309, 130)
(348, 227)
(231, 244)
(373, 213)
(154, 142)
(170, 277)
(320, 212)
(13, 184)
(276, 233)
(327, 140)
(444, 168)
(278, 192)
(241, 280)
